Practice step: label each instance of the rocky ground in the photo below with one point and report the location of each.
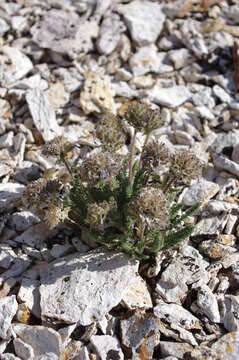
(62, 62)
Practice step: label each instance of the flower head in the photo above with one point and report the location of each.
(185, 166)
(99, 166)
(155, 154)
(152, 206)
(55, 215)
(142, 118)
(110, 132)
(97, 213)
(57, 147)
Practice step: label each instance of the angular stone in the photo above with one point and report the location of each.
(34, 236)
(3, 27)
(43, 340)
(221, 162)
(172, 349)
(227, 347)
(148, 59)
(211, 225)
(69, 283)
(140, 334)
(171, 97)
(231, 316)
(207, 303)
(9, 194)
(6, 140)
(224, 140)
(110, 32)
(138, 295)
(200, 191)
(43, 115)
(29, 295)
(8, 308)
(107, 347)
(57, 96)
(22, 220)
(235, 154)
(23, 350)
(96, 95)
(221, 94)
(180, 58)
(7, 256)
(144, 19)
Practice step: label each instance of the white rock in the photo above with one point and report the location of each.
(192, 38)
(6, 140)
(69, 283)
(19, 23)
(204, 113)
(58, 250)
(23, 350)
(97, 95)
(175, 350)
(221, 94)
(170, 97)
(22, 220)
(231, 320)
(144, 19)
(8, 356)
(110, 32)
(57, 96)
(204, 98)
(43, 115)
(138, 295)
(180, 57)
(9, 194)
(105, 345)
(221, 162)
(176, 314)
(148, 59)
(29, 295)
(3, 27)
(20, 66)
(7, 255)
(43, 340)
(227, 347)
(207, 303)
(201, 190)
(121, 88)
(8, 308)
(18, 266)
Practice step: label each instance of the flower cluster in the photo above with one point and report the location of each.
(185, 166)
(110, 132)
(59, 146)
(142, 118)
(97, 214)
(155, 154)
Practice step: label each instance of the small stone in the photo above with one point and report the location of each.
(5, 109)
(7, 255)
(235, 154)
(171, 97)
(9, 194)
(224, 140)
(227, 347)
(211, 225)
(221, 162)
(22, 220)
(107, 347)
(138, 295)
(34, 236)
(140, 334)
(110, 32)
(231, 320)
(200, 191)
(96, 95)
(8, 308)
(6, 140)
(192, 38)
(144, 19)
(43, 340)
(23, 350)
(57, 96)
(3, 27)
(174, 349)
(180, 58)
(97, 275)
(58, 250)
(43, 115)
(147, 59)
(207, 303)
(214, 250)
(221, 94)
(29, 295)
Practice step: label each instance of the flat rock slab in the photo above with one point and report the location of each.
(8, 308)
(9, 194)
(83, 288)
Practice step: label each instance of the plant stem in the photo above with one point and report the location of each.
(67, 165)
(170, 182)
(132, 147)
(143, 148)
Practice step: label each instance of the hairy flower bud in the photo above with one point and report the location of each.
(55, 215)
(57, 147)
(142, 118)
(185, 166)
(155, 154)
(110, 132)
(97, 213)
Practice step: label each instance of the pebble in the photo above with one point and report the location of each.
(171, 97)
(22, 220)
(231, 310)
(207, 303)
(110, 32)
(180, 58)
(221, 162)
(106, 347)
(144, 20)
(8, 308)
(200, 191)
(9, 194)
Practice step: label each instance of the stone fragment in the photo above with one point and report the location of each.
(192, 38)
(96, 95)
(231, 313)
(6, 140)
(29, 295)
(172, 349)
(69, 283)
(176, 314)
(148, 59)
(57, 96)
(138, 295)
(221, 94)
(8, 356)
(18, 266)
(22, 220)
(8, 308)
(180, 58)
(3, 27)
(43, 115)
(110, 32)
(207, 303)
(23, 350)
(227, 347)
(221, 162)
(235, 154)
(214, 250)
(144, 20)
(34, 236)
(200, 191)
(20, 66)
(224, 140)
(140, 334)
(43, 340)
(9, 194)
(211, 225)
(171, 97)
(7, 255)
(107, 347)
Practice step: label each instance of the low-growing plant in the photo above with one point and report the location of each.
(124, 202)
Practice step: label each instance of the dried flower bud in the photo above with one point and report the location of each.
(99, 166)
(110, 132)
(55, 215)
(97, 214)
(142, 118)
(185, 166)
(152, 205)
(155, 154)
(57, 147)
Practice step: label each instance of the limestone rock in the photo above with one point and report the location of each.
(207, 303)
(201, 190)
(138, 295)
(8, 308)
(107, 346)
(110, 32)
(227, 347)
(9, 194)
(69, 283)
(171, 97)
(144, 19)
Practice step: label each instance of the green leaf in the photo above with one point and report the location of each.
(187, 213)
(173, 238)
